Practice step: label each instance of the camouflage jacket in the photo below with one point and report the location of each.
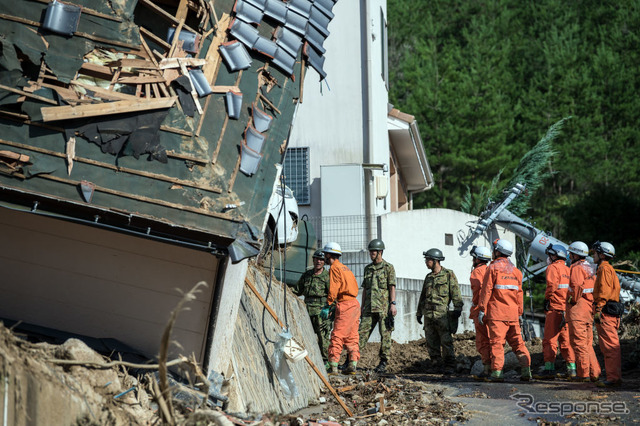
(314, 288)
(437, 291)
(376, 282)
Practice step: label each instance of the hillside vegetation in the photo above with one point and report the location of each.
(486, 80)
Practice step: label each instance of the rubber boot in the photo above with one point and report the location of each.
(333, 368)
(485, 373)
(381, 368)
(525, 374)
(549, 372)
(351, 368)
(496, 376)
(571, 370)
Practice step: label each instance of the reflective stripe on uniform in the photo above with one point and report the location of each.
(506, 287)
(563, 285)
(587, 290)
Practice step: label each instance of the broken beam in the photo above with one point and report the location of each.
(165, 14)
(107, 108)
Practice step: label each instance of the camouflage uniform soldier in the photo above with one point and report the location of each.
(378, 302)
(314, 286)
(440, 287)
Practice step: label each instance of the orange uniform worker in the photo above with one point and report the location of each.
(555, 302)
(579, 308)
(481, 256)
(343, 289)
(607, 311)
(501, 307)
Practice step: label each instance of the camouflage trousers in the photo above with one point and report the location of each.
(439, 340)
(322, 329)
(367, 324)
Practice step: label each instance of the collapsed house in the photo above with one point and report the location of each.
(140, 143)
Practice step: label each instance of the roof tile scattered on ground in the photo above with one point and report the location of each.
(235, 55)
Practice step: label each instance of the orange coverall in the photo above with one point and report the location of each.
(343, 288)
(579, 308)
(482, 334)
(556, 293)
(501, 301)
(607, 287)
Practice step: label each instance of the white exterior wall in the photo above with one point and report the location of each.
(332, 119)
(406, 235)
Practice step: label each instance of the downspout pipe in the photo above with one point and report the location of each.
(368, 117)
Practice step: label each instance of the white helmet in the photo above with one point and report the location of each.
(579, 248)
(604, 248)
(332, 248)
(503, 246)
(481, 253)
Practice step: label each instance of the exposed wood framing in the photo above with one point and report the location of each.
(232, 179)
(176, 62)
(127, 170)
(93, 110)
(161, 12)
(28, 95)
(155, 38)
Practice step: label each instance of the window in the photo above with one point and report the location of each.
(296, 173)
(448, 239)
(384, 53)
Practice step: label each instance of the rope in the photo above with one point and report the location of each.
(626, 272)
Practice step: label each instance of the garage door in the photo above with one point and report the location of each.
(100, 283)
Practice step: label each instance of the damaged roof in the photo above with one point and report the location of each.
(114, 113)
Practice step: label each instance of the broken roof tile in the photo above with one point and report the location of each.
(62, 18)
(288, 40)
(189, 39)
(315, 60)
(302, 7)
(261, 120)
(200, 82)
(320, 21)
(296, 22)
(284, 60)
(244, 32)
(234, 104)
(249, 160)
(325, 6)
(265, 46)
(247, 12)
(235, 55)
(316, 39)
(277, 10)
(253, 138)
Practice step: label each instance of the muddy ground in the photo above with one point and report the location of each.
(412, 391)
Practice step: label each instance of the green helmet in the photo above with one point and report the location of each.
(318, 254)
(434, 254)
(376, 244)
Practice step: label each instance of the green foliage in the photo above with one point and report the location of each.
(482, 80)
(475, 203)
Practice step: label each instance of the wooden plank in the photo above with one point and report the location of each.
(181, 13)
(175, 62)
(232, 180)
(311, 364)
(93, 110)
(176, 39)
(176, 130)
(225, 89)
(154, 37)
(96, 70)
(214, 157)
(133, 63)
(204, 113)
(148, 51)
(194, 94)
(186, 157)
(213, 55)
(111, 95)
(27, 94)
(142, 79)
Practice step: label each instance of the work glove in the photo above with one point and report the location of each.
(481, 317)
(419, 318)
(390, 322)
(324, 313)
(596, 317)
(457, 313)
(547, 305)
